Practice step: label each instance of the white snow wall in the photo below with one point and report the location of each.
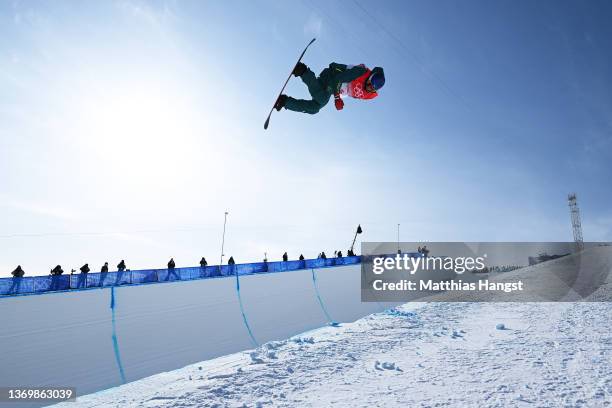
(100, 338)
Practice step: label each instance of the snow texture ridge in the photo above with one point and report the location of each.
(436, 354)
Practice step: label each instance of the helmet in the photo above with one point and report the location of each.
(377, 78)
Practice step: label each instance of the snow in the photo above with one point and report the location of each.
(465, 354)
(435, 354)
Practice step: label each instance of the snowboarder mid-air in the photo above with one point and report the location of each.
(340, 80)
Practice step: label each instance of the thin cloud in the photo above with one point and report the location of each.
(139, 239)
(16, 13)
(40, 209)
(314, 25)
(145, 12)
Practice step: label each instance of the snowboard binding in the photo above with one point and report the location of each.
(280, 102)
(299, 69)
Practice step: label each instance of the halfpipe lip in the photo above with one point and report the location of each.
(224, 271)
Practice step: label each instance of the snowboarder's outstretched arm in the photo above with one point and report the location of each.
(346, 73)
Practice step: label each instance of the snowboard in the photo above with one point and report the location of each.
(286, 82)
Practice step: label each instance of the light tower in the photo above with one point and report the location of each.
(576, 225)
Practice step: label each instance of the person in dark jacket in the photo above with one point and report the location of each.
(85, 268)
(57, 271)
(231, 261)
(171, 264)
(301, 257)
(285, 257)
(339, 254)
(323, 256)
(16, 281)
(121, 266)
(203, 262)
(18, 272)
(104, 267)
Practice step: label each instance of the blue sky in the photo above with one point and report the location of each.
(127, 128)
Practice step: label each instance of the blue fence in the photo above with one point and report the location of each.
(41, 284)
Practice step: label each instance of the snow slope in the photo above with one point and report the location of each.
(419, 354)
(437, 354)
(94, 339)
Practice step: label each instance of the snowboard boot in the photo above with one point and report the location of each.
(299, 69)
(280, 102)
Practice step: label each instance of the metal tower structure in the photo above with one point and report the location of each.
(576, 224)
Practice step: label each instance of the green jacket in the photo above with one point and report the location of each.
(337, 74)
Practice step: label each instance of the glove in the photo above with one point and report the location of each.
(338, 102)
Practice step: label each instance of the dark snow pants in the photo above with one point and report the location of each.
(319, 90)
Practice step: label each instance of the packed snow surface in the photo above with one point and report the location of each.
(418, 355)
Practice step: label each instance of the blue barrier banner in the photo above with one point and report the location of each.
(188, 273)
(209, 272)
(144, 276)
(41, 284)
(10, 286)
(167, 275)
(51, 283)
(114, 278)
(78, 281)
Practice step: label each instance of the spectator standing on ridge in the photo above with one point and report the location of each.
(285, 257)
(171, 264)
(57, 271)
(18, 272)
(85, 268)
(339, 254)
(203, 262)
(425, 251)
(231, 261)
(301, 257)
(104, 267)
(121, 266)
(323, 256)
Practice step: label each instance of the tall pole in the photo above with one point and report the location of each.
(576, 224)
(359, 231)
(398, 240)
(223, 240)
